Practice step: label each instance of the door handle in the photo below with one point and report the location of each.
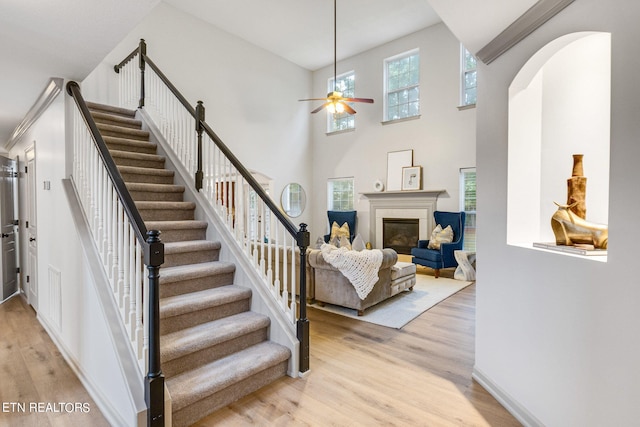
(4, 235)
(32, 239)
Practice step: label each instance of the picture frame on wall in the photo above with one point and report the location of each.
(412, 178)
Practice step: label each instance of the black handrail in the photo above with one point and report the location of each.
(301, 235)
(139, 227)
(291, 228)
(124, 62)
(153, 253)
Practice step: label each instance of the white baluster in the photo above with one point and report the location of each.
(278, 248)
(125, 266)
(129, 313)
(137, 283)
(114, 244)
(109, 231)
(139, 336)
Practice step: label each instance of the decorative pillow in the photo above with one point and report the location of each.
(358, 243)
(319, 243)
(439, 236)
(344, 242)
(339, 231)
(335, 241)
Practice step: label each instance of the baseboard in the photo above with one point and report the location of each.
(510, 404)
(108, 411)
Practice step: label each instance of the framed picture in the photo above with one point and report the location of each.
(396, 161)
(412, 178)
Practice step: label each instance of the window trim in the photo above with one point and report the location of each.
(330, 194)
(462, 200)
(463, 73)
(385, 100)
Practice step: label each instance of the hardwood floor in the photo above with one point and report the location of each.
(368, 375)
(361, 375)
(34, 374)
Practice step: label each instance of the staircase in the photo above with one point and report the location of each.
(214, 350)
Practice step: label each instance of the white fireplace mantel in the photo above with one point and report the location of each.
(419, 204)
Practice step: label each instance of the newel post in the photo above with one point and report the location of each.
(303, 241)
(154, 382)
(199, 129)
(142, 52)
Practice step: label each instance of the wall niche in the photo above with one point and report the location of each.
(559, 105)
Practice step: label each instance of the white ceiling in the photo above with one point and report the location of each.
(68, 38)
(63, 38)
(476, 23)
(302, 30)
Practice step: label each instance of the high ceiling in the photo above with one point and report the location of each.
(302, 30)
(69, 38)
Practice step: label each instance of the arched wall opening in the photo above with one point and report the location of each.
(559, 105)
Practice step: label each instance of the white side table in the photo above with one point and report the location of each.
(465, 270)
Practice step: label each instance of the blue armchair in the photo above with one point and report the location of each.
(340, 217)
(443, 257)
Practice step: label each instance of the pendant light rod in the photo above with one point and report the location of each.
(335, 45)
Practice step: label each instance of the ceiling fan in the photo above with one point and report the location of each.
(335, 102)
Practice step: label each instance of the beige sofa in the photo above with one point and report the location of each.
(332, 287)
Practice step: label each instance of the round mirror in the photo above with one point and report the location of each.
(293, 199)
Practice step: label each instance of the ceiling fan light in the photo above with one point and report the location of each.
(339, 107)
(331, 108)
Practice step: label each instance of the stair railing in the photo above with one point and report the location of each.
(266, 236)
(125, 246)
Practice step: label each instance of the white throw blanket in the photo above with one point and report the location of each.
(360, 267)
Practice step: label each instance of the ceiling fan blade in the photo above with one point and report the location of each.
(320, 107)
(348, 108)
(367, 100)
(313, 99)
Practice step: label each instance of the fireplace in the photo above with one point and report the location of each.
(400, 234)
(416, 206)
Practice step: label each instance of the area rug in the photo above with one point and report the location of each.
(401, 309)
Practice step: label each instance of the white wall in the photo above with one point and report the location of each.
(76, 324)
(442, 139)
(250, 95)
(556, 336)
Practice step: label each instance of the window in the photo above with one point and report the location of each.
(468, 78)
(468, 205)
(340, 194)
(402, 86)
(345, 83)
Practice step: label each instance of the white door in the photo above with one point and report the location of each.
(31, 228)
(8, 227)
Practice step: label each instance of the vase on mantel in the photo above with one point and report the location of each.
(577, 188)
